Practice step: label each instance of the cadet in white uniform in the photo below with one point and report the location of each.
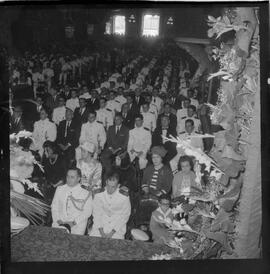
(187, 135)
(72, 205)
(104, 115)
(156, 100)
(183, 111)
(111, 211)
(139, 142)
(93, 132)
(43, 130)
(59, 113)
(73, 102)
(112, 104)
(149, 119)
(152, 107)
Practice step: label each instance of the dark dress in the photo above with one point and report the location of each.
(53, 174)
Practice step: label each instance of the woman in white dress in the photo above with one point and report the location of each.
(90, 167)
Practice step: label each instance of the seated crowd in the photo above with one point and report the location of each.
(99, 136)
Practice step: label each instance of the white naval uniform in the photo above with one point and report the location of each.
(153, 109)
(113, 106)
(180, 114)
(121, 99)
(73, 103)
(110, 212)
(140, 139)
(43, 130)
(195, 142)
(149, 120)
(59, 114)
(105, 116)
(72, 204)
(94, 133)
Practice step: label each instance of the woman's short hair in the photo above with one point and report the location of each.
(52, 145)
(185, 158)
(164, 197)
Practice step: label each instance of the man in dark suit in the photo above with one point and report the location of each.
(128, 116)
(133, 108)
(167, 112)
(175, 100)
(117, 141)
(68, 137)
(16, 122)
(66, 93)
(81, 113)
(93, 103)
(165, 130)
(52, 100)
(138, 99)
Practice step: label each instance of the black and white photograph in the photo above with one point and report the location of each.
(135, 131)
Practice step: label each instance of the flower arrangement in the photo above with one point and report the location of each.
(21, 167)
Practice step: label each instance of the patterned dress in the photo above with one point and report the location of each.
(91, 173)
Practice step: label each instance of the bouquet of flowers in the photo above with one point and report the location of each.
(21, 167)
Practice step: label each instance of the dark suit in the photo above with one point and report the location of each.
(128, 121)
(114, 141)
(93, 105)
(169, 146)
(81, 118)
(52, 102)
(172, 117)
(141, 101)
(177, 104)
(72, 138)
(119, 140)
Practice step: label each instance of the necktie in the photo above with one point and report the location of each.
(117, 130)
(154, 100)
(67, 126)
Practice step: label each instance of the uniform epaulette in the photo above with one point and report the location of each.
(152, 112)
(197, 132)
(182, 132)
(146, 128)
(108, 109)
(117, 101)
(184, 117)
(124, 190)
(99, 122)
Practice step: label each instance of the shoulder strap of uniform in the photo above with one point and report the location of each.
(124, 190)
(108, 109)
(184, 117)
(182, 132)
(146, 128)
(99, 122)
(117, 101)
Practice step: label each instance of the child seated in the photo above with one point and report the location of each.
(185, 178)
(160, 233)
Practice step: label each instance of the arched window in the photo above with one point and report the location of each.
(150, 25)
(119, 24)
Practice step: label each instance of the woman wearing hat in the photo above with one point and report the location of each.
(90, 167)
(157, 180)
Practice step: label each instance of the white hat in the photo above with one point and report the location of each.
(90, 147)
(140, 235)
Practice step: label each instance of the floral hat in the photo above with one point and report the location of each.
(90, 147)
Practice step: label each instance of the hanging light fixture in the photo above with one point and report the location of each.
(170, 21)
(131, 19)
